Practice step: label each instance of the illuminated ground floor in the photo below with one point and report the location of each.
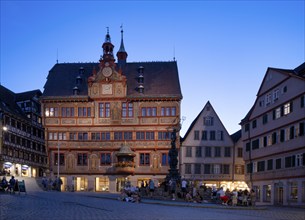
(23, 170)
(106, 183)
(280, 192)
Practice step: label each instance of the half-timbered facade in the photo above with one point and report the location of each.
(22, 146)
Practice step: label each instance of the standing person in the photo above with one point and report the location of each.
(50, 183)
(222, 195)
(245, 195)
(12, 183)
(252, 197)
(58, 184)
(183, 187)
(44, 183)
(234, 197)
(151, 186)
(173, 184)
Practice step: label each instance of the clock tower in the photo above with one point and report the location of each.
(107, 81)
(107, 61)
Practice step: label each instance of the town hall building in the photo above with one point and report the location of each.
(109, 123)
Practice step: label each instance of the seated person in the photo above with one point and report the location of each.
(3, 184)
(198, 198)
(136, 197)
(123, 195)
(188, 197)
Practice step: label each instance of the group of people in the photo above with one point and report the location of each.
(50, 184)
(130, 194)
(234, 198)
(185, 190)
(5, 172)
(7, 186)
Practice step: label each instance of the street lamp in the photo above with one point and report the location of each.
(2, 130)
(58, 145)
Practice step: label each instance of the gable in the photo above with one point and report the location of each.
(208, 121)
(271, 79)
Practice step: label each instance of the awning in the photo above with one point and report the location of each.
(24, 167)
(7, 164)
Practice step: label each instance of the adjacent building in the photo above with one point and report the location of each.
(22, 147)
(209, 155)
(273, 138)
(109, 123)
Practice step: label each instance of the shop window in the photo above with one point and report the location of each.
(293, 191)
(266, 193)
(103, 184)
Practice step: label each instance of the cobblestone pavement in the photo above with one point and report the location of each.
(67, 205)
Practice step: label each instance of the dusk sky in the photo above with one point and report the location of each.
(222, 48)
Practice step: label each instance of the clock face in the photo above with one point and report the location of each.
(107, 89)
(107, 71)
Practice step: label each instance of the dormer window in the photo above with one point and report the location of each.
(78, 80)
(141, 70)
(81, 70)
(141, 89)
(141, 79)
(75, 90)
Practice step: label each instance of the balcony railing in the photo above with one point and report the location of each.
(125, 167)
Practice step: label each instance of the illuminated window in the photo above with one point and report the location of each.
(51, 112)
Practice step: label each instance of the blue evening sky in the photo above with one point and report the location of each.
(222, 48)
